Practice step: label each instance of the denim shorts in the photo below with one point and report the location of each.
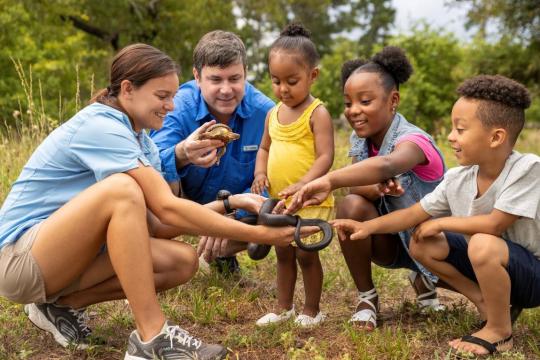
(402, 260)
(523, 269)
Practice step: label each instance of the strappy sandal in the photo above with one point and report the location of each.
(367, 316)
(490, 347)
(425, 300)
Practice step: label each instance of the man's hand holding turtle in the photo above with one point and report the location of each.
(198, 152)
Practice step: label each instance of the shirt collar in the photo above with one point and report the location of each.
(122, 117)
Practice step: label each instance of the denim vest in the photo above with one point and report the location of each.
(414, 187)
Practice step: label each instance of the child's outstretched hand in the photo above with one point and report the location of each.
(260, 184)
(313, 193)
(357, 230)
(290, 190)
(391, 187)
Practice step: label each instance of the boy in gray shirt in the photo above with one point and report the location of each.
(478, 230)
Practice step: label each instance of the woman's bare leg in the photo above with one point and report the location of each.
(113, 211)
(174, 263)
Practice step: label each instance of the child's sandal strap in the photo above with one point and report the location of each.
(366, 315)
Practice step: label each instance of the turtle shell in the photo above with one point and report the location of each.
(219, 132)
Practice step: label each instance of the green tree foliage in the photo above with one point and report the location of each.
(52, 49)
(519, 18)
(369, 20)
(428, 96)
(328, 86)
(514, 50)
(57, 37)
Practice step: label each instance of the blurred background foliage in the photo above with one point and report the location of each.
(63, 47)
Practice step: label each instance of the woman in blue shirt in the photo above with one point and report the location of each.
(89, 218)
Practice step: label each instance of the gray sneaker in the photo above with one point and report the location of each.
(172, 343)
(67, 325)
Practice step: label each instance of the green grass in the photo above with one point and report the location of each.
(225, 310)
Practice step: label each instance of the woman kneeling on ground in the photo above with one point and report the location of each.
(90, 218)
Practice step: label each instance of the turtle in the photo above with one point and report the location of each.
(219, 132)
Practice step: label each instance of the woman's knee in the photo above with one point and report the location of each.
(122, 188)
(186, 264)
(355, 207)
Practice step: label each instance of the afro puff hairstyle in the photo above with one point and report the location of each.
(390, 63)
(296, 39)
(502, 102)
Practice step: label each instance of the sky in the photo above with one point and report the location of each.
(451, 18)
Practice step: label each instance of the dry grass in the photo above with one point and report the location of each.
(225, 310)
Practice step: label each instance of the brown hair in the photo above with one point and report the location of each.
(137, 63)
(219, 48)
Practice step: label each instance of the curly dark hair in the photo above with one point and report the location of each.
(296, 39)
(502, 101)
(349, 67)
(390, 63)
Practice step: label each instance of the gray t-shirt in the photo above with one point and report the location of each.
(516, 191)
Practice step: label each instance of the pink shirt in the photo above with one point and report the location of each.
(433, 169)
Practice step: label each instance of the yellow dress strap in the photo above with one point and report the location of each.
(296, 130)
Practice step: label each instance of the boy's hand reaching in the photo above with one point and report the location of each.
(357, 230)
(260, 184)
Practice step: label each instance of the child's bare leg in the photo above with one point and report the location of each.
(359, 254)
(111, 211)
(432, 253)
(312, 273)
(286, 276)
(489, 257)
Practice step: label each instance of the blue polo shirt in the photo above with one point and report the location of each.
(95, 143)
(236, 167)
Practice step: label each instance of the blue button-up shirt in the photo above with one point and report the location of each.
(236, 167)
(95, 143)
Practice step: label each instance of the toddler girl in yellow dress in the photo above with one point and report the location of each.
(297, 147)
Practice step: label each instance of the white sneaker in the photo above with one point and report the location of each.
(306, 321)
(272, 318)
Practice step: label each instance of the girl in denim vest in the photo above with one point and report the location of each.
(394, 164)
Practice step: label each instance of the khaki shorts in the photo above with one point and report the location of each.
(21, 280)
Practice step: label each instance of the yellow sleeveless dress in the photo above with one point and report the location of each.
(291, 155)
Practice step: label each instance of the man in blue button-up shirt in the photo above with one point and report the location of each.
(219, 93)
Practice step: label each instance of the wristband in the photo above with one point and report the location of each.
(227, 206)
